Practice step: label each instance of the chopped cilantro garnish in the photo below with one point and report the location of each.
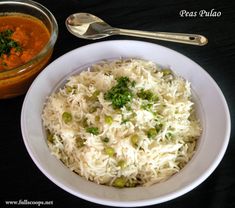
(147, 95)
(120, 94)
(133, 83)
(7, 43)
(125, 121)
(146, 106)
(92, 130)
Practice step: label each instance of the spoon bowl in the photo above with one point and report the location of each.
(88, 26)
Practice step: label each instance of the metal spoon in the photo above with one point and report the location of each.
(88, 26)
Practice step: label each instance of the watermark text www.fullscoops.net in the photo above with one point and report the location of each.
(28, 202)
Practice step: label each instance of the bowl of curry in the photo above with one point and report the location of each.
(28, 32)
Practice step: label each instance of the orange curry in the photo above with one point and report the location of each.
(21, 38)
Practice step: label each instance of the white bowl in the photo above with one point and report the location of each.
(211, 107)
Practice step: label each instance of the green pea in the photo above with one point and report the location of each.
(96, 93)
(135, 140)
(105, 140)
(50, 137)
(169, 135)
(109, 151)
(159, 126)
(108, 120)
(92, 109)
(119, 182)
(94, 96)
(97, 118)
(79, 142)
(84, 122)
(121, 164)
(131, 183)
(166, 71)
(67, 117)
(68, 89)
(152, 133)
(118, 111)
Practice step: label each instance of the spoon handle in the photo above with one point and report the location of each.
(192, 39)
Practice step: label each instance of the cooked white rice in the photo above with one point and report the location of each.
(141, 143)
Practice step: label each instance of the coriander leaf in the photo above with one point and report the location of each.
(92, 130)
(7, 43)
(120, 94)
(147, 95)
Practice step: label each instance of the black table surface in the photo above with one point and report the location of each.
(22, 180)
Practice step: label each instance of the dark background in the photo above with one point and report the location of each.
(21, 179)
